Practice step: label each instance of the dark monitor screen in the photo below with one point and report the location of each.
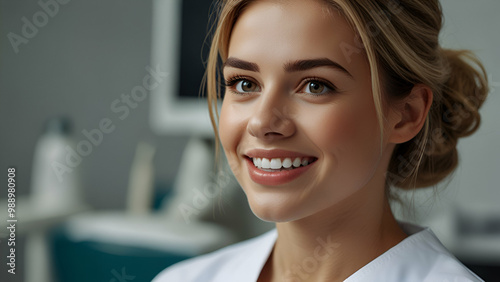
(195, 45)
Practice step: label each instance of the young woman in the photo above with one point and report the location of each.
(328, 105)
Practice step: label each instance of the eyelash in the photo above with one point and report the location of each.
(232, 81)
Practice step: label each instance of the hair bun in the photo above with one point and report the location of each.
(463, 93)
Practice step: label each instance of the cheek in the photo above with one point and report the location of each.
(351, 128)
(224, 125)
(232, 125)
(349, 137)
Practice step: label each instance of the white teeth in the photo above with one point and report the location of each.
(265, 163)
(257, 162)
(275, 163)
(287, 163)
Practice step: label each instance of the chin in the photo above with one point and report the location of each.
(274, 210)
(272, 214)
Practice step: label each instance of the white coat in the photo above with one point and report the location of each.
(419, 257)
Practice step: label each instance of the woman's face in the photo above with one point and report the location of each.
(299, 93)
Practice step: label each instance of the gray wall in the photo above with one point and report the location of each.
(85, 57)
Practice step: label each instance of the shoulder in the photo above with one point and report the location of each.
(244, 259)
(420, 257)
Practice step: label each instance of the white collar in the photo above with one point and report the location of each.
(419, 257)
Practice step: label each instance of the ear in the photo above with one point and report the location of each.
(410, 114)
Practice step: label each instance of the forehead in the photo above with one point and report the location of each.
(288, 30)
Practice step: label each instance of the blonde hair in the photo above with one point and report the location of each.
(401, 41)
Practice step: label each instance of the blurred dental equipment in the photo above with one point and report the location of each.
(55, 181)
(141, 180)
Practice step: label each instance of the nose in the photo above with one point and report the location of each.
(272, 118)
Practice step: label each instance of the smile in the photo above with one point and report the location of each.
(277, 167)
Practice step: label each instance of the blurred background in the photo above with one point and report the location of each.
(105, 143)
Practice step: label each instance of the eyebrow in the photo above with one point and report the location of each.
(294, 66)
(241, 64)
(302, 65)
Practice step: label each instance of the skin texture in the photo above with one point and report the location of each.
(340, 199)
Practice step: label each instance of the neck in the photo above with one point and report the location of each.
(335, 243)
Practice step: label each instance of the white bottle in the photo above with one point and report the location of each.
(55, 179)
